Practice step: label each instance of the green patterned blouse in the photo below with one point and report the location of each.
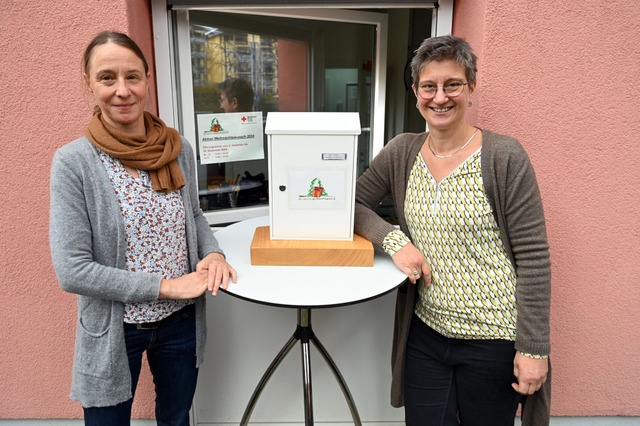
(474, 282)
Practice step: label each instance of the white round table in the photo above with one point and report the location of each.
(303, 288)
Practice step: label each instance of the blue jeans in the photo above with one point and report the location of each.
(171, 352)
(458, 382)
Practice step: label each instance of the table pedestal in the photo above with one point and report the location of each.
(304, 333)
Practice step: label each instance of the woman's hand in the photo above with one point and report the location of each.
(413, 263)
(187, 286)
(530, 373)
(211, 273)
(218, 272)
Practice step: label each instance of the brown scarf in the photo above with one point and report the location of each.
(155, 152)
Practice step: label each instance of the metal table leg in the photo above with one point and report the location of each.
(304, 333)
(340, 380)
(265, 378)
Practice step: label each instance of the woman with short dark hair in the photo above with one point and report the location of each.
(472, 323)
(236, 95)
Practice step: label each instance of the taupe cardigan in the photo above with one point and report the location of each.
(511, 187)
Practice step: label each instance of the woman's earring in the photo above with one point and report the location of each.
(470, 104)
(418, 105)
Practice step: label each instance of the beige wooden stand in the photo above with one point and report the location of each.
(265, 251)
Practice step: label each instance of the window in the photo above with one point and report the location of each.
(301, 59)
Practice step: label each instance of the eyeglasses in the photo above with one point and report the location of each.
(451, 89)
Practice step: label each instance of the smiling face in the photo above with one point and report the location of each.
(117, 79)
(443, 112)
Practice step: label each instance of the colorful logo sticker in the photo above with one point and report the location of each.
(316, 190)
(215, 126)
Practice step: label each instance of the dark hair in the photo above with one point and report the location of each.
(239, 89)
(112, 37)
(445, 48)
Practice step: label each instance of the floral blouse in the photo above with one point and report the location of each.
(155, 234)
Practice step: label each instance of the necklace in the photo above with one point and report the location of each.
(454, 152)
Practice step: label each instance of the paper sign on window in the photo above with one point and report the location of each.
(234, 136)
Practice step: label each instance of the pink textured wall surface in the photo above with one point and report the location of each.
(559, 76)
(43, 106)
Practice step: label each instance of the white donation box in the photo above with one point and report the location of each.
(312, 174)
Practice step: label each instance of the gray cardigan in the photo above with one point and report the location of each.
(87, 238)
(511, 187)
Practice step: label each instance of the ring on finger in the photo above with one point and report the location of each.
(416, 273)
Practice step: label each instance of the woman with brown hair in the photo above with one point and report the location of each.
(129, 239)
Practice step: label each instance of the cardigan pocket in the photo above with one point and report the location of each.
(94, 348)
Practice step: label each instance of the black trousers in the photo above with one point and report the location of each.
(458, 382)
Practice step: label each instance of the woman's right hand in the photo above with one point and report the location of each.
(413, 263)
(188, 286)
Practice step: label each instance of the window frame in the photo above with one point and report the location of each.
(172, 54)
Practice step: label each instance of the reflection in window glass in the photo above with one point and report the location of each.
(222, 54)
(276, 57)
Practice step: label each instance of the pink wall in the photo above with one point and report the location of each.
(559, 76)
(562, 78)
(292, 67)
(43, 107)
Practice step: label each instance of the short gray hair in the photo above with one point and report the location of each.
(445, 48)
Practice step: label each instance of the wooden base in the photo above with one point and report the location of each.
(265, 251)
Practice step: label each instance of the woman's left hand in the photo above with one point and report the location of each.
(412, 262)
(531, 373)
(218, 271)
